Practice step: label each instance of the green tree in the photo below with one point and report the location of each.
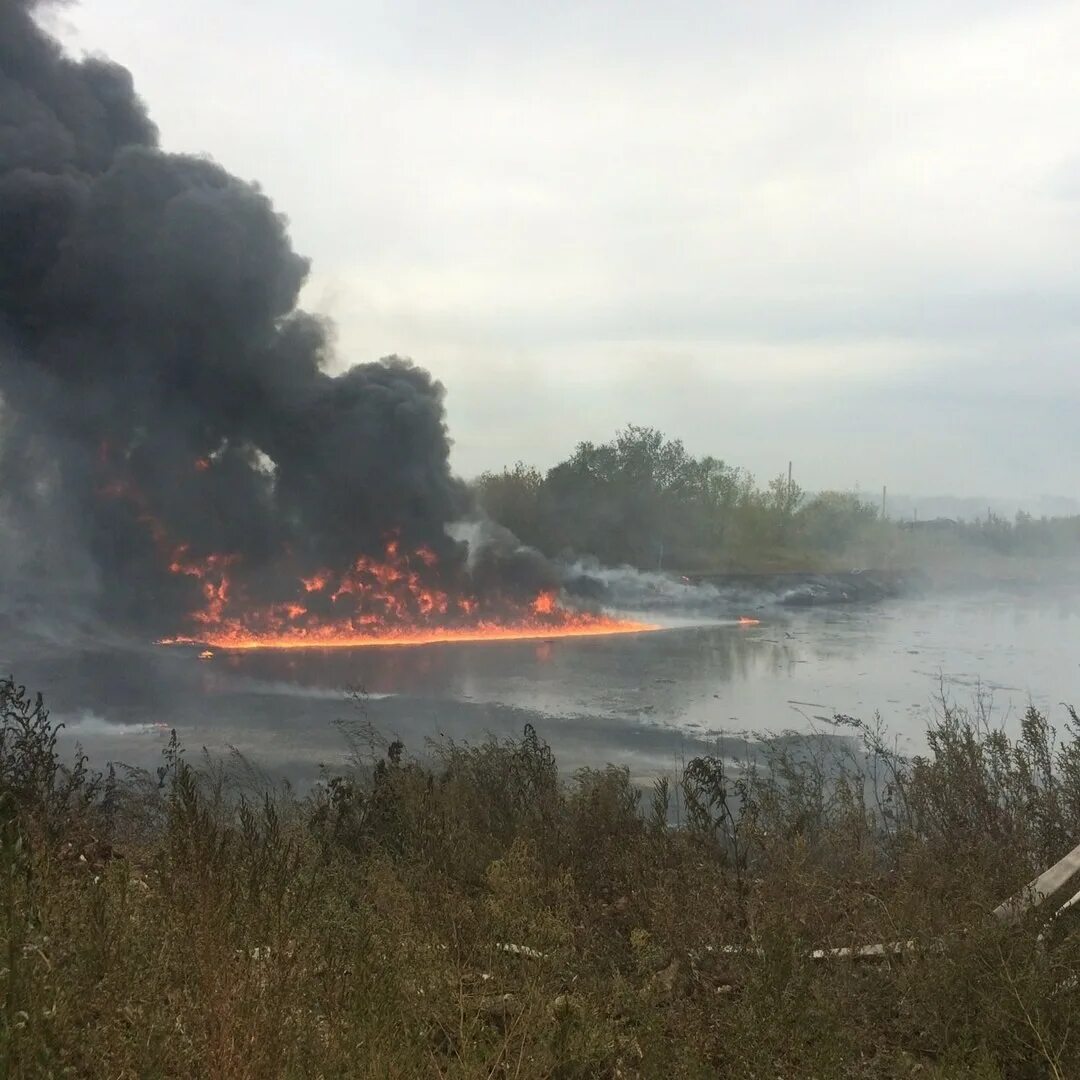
(517, 498)
(833, 520)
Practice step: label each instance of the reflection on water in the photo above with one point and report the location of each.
(643, 700)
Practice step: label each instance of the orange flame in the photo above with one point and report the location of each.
(317, 582)
(334, 637)
(544, 604)
(398, 599)
(374, 602)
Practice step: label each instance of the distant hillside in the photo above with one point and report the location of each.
(974, 507)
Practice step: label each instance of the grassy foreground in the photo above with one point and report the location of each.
(479, 917)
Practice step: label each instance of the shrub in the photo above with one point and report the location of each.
(473, 915)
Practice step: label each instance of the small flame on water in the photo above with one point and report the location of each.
(544, 604)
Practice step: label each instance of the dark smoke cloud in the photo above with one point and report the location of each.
(148, 322)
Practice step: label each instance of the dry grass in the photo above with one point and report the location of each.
(480, 917)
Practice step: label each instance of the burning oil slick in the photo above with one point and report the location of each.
(171, 442)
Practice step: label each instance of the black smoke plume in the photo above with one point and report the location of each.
(159, 384)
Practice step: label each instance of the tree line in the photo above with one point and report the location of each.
(643, 500)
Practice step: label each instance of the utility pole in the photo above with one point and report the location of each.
(884, 491)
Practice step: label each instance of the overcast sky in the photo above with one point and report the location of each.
(842, 233)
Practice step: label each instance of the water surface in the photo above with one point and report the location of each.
(641, 700)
